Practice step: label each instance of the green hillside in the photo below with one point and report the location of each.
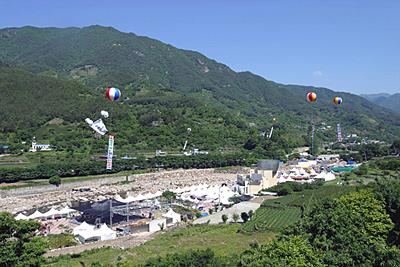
(165, 91)
(391, 102)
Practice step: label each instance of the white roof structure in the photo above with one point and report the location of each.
(149, 196)
(125, 200)
(327, 176)
(176, 217)
(86, 231)
(83, 227)
(154, 225)
(51, 212)
(37, 214)
(105, 232)
(66, 210)
(140, 197)
(21, 216)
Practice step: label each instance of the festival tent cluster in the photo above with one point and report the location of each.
(206, 193)
(65, 211)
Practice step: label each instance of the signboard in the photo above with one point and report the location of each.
(110, 152)
(339, 133)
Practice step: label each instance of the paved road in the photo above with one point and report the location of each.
(215, 218)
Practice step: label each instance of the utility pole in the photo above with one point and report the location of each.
(127, 212)
(111, 213)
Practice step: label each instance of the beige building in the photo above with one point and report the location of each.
(262, 177)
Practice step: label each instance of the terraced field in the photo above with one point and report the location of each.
(273, 219)
(275, 214)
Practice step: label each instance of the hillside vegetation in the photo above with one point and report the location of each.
(385, 100)
(160, 81)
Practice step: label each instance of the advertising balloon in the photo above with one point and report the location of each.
(113, 93)
(311, 97)
(337, 100)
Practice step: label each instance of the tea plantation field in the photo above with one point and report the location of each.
(275, 214)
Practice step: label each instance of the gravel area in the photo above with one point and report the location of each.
(140, 183)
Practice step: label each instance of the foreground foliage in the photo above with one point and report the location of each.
(18, 244)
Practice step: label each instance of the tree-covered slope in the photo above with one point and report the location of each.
(100, 56)
(391, 102)
(151, 119)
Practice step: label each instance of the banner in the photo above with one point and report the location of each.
(339, 133)
(98, 126)
(110, 151)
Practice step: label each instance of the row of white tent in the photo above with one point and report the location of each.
(139, 197)
(65, 211)
(85, 232)
(210, 194)
(147, 196)
(326, 176)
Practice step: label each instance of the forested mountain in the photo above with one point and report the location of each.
(385, 100)
(165, 90)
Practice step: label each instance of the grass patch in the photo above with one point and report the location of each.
(61, 241)
(224, 240)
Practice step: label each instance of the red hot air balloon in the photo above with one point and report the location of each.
(311, 97)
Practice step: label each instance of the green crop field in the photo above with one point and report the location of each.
(266, 219)
(275, 214)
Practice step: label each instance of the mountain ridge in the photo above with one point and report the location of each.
(389, 101)
(99, 56)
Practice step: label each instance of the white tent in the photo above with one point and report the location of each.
(140, 197)
(37, 214)
(176, 217)
(50, 213)
(66, 211)
(21, 216)
(158, 194)
(327, 176)
(125, 200)
(148, 196)
(154, 225)
(88, 235)
(178, 190)
(86, 232)
(83, 227)
(105, 232)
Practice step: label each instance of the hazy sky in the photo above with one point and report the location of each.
(343, 45)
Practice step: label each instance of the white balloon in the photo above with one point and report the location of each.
(104, 114)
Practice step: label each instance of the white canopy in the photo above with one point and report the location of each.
(140, 197)
(83, 227)
(125, 200)
(176, 217)
(51, 212)
(36, 214)
(21, 216)
(327, 176)
(66, 210)
(148, 196)
(105, 232)
(88, 231)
